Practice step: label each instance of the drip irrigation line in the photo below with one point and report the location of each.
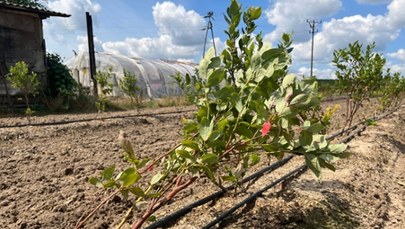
(95, 119)
(179, 213)
(293, 174)
(254, 196)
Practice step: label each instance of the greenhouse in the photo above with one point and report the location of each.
(154, 76)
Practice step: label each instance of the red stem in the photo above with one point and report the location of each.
(154, 206)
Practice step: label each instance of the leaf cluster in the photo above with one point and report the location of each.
(129, 85)
(61, 82)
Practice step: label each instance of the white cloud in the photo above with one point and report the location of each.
(180, 36)
(291, 15)
(396, 15)
(184, 27)
(319, 73)
(397, 68)
(63, 32)
(77, 9)
(153, 48)
(400, 54)
(338, 33)
(83, 44)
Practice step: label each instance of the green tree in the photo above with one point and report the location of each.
(392, 90)
(61, 83)
(106, 87)
(128, 85)
(360, 74)
(248, 108)
(28, 83)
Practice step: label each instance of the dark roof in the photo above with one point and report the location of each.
(42, 12)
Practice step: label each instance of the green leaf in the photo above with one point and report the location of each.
(215, 78)
(233, 9)
(190, 144)
(204, 63)
(137, 191)
(156, 178)
(281, 106)
(230, 178)
(305, 138)
(109, 184)
(205, 128)
(108, 172)
(215, 135)
(299, 99)
(94, 181)
(325, 164)
(185, 154)
(222, 124)
(141, 163)
(151, 218)
(255, 12)
(254, 159)
(316, 128)
(215, 62)
(313, 164)
(270, 54)
(336, 149)
(288, 80)
(244, 129)
(129, 177)
(306, 125)
(209, 159)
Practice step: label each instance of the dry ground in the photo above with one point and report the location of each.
(44, 169)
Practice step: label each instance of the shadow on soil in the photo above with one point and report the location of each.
(330, 212)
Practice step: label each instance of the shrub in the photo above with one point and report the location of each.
(28, 83)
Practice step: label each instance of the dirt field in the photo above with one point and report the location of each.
(44, 172)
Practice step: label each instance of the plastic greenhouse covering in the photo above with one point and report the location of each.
(153, 76)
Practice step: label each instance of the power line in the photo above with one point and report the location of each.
(312, 24)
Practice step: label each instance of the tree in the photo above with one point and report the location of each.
(248, 108)
(27, 83)
(360, 74)
(129, 86)
(102, 78)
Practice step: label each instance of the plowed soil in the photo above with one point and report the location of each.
(44, 172)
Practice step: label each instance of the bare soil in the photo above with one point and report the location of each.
(44, 172)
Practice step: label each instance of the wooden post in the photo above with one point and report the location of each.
(92, 57)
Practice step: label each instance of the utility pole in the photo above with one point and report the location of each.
(209, 27)
(92, 58)
(312, 25)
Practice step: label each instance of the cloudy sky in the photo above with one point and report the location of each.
(173, 29)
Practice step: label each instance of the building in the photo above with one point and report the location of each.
(21, 39)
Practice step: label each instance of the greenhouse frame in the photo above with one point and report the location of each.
(154, 77)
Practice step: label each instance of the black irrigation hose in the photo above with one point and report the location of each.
(177, 214)
(94, 119)
(291, 175)
(252, 197)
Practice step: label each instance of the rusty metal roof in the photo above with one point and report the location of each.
(42, 12)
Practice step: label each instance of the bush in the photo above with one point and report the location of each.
(62, 88)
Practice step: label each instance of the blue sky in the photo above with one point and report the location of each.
(173, 29)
